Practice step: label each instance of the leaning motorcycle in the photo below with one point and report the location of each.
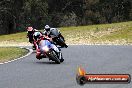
(46, 50)
(57, 38)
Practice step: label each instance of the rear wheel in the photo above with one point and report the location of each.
(62, 42)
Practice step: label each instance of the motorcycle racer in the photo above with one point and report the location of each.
(30, 32)
(37, 38)
(48, 29)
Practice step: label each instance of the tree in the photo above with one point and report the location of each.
(16, 15)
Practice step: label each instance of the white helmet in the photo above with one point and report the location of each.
(37, 35)
(47, 27)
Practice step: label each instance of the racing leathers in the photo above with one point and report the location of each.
(39, 54)
(30, 36)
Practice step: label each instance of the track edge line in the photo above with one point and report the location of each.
(30, 51)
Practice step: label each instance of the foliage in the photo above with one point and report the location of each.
(16, 15)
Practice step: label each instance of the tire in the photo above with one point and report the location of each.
(53, 56)
(81, 80)
(59, 41)
(33, 47)
(62, 43)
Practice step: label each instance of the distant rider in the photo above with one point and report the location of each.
(30, 33)
(48, 29)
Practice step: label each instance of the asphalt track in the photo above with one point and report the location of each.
(32, 73)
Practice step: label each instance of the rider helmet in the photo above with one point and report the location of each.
(47, 27)
(29, 28)
(37, 35)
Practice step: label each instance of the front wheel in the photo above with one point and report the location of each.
(53, 56)
(33, 47)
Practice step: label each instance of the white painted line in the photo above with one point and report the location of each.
(30, 51)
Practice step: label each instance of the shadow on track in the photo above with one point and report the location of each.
(46, 63)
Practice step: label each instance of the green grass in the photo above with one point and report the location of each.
(9, 53)
(17, 37)
(115, 33)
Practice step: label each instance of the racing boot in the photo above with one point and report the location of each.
(38, 57)
(60, 56)
(33, 47)
(43, 55)
(38, 54)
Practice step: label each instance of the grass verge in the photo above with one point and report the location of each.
(115, 33)
(9, 53)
